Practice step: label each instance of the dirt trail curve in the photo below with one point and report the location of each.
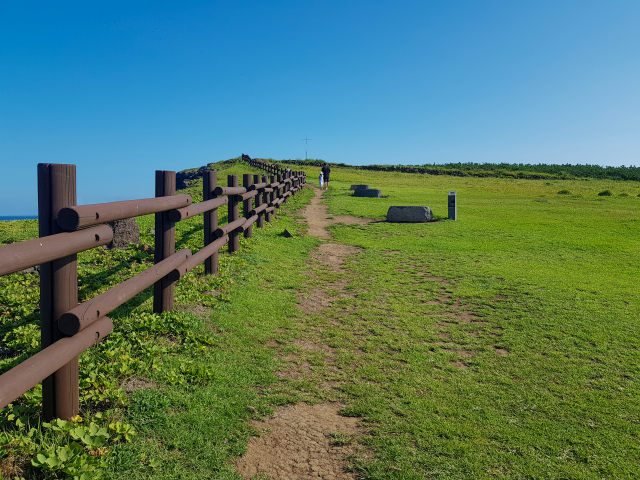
(318, 220)
(298, 444)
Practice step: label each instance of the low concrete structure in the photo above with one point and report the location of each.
(359, 187)
(367, 193)
(453, 205)
(409, 215)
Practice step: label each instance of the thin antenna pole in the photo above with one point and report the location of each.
(306, 151)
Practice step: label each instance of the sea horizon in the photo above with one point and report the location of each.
(8, 218)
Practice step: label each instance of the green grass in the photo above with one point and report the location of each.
(503, 345)
(554, 283)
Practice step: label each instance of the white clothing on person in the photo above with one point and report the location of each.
(321, 179)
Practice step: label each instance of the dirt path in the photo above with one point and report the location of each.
(301, 443)
(301, 439)
(298, 445)
(318, 220)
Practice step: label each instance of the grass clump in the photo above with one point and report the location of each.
(605, 193)
(340, 439)
(564, 192)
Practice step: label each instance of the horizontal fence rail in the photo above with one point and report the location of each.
(69, 329)
(229, 190)
(72, 218)
(23, 377)
(195, 260)
(18, 256)
(187, 212)
(88, 312)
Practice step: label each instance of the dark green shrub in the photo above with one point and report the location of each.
(564, 192)
(606, 193)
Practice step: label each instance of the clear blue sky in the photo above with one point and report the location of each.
(124, 88)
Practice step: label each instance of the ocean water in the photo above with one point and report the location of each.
(19, 217)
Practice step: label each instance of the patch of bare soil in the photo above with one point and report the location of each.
(459, 364)
(434, 302)
(330, 384)
(296, 373)
(135, 383)
(462, 353)
(316, 347)
(467, 317)
(297, 445)
(315, 303)
(318, 220)
(503, 352)
(10, 467)
(199, 310)
(333, 254)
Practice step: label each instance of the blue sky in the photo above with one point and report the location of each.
(124, 88)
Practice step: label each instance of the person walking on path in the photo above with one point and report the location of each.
(321, 179)
(326, 170)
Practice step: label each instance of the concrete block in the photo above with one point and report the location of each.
(409, 215)
(367, 193)
(359, 187)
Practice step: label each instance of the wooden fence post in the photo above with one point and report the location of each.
(209, 183)
(247, 181)
(269, 197)
(234, 241)
(58, 288)
(256, 179)
(165, 241)
(280, 190)
(287, 186)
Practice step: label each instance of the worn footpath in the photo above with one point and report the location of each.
(307, 441)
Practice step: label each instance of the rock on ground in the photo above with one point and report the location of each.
(361, 192)
(409, 215)
(124, 232)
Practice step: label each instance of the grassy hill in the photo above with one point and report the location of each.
(503, 345)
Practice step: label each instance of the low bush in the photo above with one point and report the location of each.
(605, 193)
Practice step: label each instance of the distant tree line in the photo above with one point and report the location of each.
(505, 170)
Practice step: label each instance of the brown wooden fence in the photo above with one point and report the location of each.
(65, 229)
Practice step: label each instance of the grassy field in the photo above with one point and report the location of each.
(543, 383)
(503, 345)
